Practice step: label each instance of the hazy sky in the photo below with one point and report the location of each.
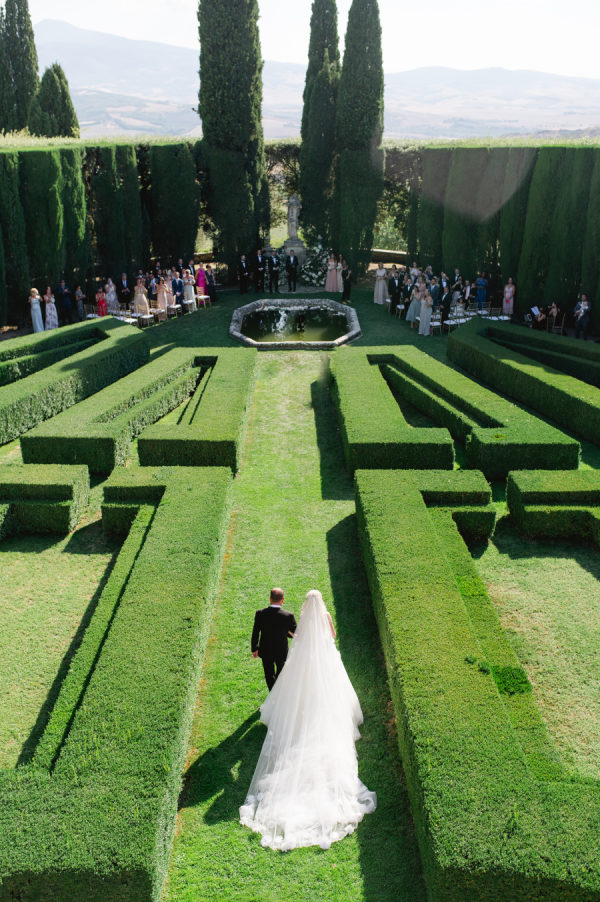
(546, 35)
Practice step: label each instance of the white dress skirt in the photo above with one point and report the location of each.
(51, 315)
(331, 283)
(380, 293)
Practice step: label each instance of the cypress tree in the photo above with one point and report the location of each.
(359, 128)
(175, 201)
(317, 153)
(132, 210)
(517, 180)
(323, 39)
(22, 62)
(51, 112)
(430, 218)
(567, 229)
(41, 195)
(230, 108)
(76, 239)
(3, 295)
(6, 101)
(535, 252)
(462, 239)
(106, 214)
(12, 222)
(590, 265)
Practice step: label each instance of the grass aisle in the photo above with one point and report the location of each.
(293, 525)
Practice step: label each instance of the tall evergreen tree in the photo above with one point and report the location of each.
(107, 215)
(230, 108)
(317, 153)
(173, 177)
(132, 208)
(6, 100)
(75, 215)
(430, 222)
(323, 38)
(22, 62)
(3, 295)
(590, 268)
(41, 195)
(12, 222)
(517, 179)
(359, 128)
(51, 112)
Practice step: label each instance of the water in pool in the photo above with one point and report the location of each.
(303, 324)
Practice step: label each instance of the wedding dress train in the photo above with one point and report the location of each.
(305, 790)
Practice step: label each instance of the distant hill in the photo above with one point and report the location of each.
(126, 86)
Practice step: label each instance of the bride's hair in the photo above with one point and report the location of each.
(313, 597)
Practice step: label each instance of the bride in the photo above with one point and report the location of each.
(305, 790)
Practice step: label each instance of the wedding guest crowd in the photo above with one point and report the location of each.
(261, 265)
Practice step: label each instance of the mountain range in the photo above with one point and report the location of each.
(124, 86)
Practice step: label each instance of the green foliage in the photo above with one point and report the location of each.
(51, 111)
(230, 108)
(21, 66)
(495, 432)
(99, 430)
(175, 201)
(211, 430)
(3, 294)
(517, 180)
(565, 505)
(463, 244)
(359, 128)
(566, 401)
(105, 211)
(323, 41)
(436, 166)
(132, 211)
(590, 274)
(76, 239)
(375, 434)
(44, 499)
(27, 402)
(17, 368)
(12, 222)
(41, 180)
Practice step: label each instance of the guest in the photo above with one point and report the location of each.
(124, 290)
(346, 282)
(140, 299)
(201, 280)
(79, 299)
(274, 264)
(425, 313)
(112, 301)
(481, 291)
(380, 293)
(243, 274)
(164, 294)
(508, 298)
(445, 304)
(338, 269)
(36, 311)
(65, 308)
(291, 268)
(211, 285)
(435, 292)
(151, 285)
(467, 293)
(405, 293)
(259, 271)
(331, 281)
(394, 289)
(177, 287)
(553, 314)
(457, 286)
(583, 310)
(101, 302)
(192, 268)
(189, 286)
(414, 309)
(414, 271)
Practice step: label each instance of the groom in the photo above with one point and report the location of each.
(272, 626)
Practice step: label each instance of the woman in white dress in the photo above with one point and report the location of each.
(112, 301)
(305, 790)
(189, 286)
(380, 293)
(51, 314)
(508, 298)
(331, 282)
(164, 297)
(425, 313)
(36, 311)
(140, 299)
(339, 267)
(414, 309)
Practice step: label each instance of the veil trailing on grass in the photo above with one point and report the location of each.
(305, 790)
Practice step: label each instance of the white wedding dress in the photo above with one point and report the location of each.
(305, 790)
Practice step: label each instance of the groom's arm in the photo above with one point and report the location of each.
(292, 628)
(255, 635)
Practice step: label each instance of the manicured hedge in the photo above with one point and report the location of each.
(99, 430)
(19, 367)
(99, 825)
(556, 505)
(498, 436)
(212, 428)
(563, 399)
(580, 359)
(35, 398)
(494, 819)
(43, 499)
(374, 432)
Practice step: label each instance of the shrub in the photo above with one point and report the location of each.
(565, 505)
(43, 499)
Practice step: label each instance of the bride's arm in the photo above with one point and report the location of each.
(331, 626)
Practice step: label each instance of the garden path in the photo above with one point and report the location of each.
(292, 525)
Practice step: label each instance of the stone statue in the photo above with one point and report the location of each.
(294, 207)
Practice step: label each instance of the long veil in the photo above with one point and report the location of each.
(305, 789)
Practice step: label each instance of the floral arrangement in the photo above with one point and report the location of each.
(314, 268)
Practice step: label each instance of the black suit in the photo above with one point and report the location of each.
(259, 273)
(291, 268)
(274, 264)
(394, 293)
(243, 276)
(445, 305)
(124, 291)
(270, 639)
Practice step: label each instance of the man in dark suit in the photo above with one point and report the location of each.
(272, 626)
(346, 283)
(394, 290)
(259, 271)
(123, 289)
(243, 273)
(445, 303)
(291, 268)
(274, 264)
(177, 288)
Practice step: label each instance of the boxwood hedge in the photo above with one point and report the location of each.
(495, 819)
(556, 505)
(562, 398)
(374, 431)
(498, 436)
(211, 430)
(99, 430)
(92, 817)
(30, 400)
(43, 499)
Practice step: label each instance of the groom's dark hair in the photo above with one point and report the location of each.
(276, 595)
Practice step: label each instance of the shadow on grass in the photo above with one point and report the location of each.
(335, 481)
(225, 772)
(389, 855)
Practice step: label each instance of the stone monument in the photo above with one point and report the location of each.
(292, 242)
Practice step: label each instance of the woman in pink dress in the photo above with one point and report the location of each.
(201, 280)
(331, 282)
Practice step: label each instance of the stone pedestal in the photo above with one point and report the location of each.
(296, 245)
